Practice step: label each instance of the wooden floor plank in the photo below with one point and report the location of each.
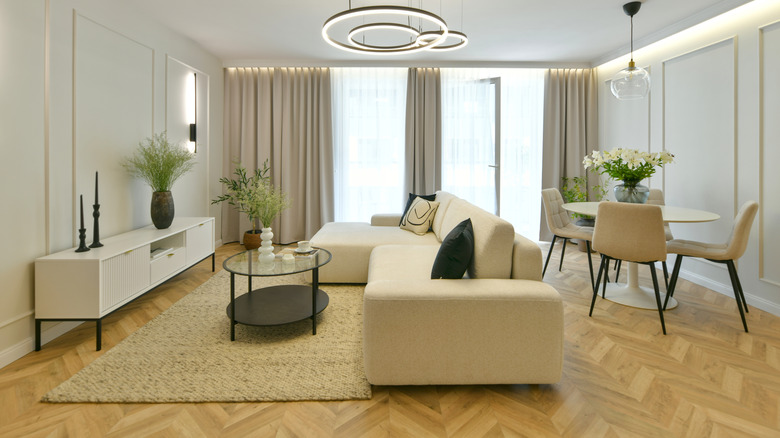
(622, 378)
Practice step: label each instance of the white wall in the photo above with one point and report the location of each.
(715, 104)
(83, 84)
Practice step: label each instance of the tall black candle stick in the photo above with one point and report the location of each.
(82, 231)
(95, 215)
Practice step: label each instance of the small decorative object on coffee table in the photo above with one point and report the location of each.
(275, 305)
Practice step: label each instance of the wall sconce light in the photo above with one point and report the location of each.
(192, 111)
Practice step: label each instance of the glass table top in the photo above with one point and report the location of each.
(247, 263)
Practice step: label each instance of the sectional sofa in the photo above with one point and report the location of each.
(500, 324)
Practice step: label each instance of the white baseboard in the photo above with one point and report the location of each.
(11, 354)
(727, 290)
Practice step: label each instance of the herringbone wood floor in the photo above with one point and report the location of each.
(622, 378)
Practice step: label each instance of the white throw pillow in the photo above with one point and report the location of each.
(419, 217)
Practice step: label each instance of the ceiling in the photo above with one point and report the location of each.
(543, 32)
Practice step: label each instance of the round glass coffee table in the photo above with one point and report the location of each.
(275, 305)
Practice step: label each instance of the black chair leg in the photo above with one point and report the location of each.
(741, 292)
(563, 252)
(673, 280)
(657, 296)
(735, 285)
(549, 253)
(604, 284)
(598, 280)
(590, 264)
(618, 265)
(666, 275)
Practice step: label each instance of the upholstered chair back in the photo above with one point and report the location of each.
(557, 217)
(738, 240)
(633, 232)
(656, 197)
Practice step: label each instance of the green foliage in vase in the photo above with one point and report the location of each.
(254, 195)
(159, 162)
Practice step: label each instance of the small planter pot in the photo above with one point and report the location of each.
(252, 239)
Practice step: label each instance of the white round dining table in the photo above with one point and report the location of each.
(632, 294)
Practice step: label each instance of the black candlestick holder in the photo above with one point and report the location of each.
(82, 240)
(95, 227)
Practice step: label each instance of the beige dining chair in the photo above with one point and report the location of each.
(656, 197)
(561, 227)
(725, 253)
(630, 232)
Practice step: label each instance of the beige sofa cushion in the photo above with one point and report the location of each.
(493, 239)
(407, 262)
(443, 198)
(460, 332)
(352, 243)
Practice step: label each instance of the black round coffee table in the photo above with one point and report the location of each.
(275, 305)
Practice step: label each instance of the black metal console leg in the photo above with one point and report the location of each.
(37, 335)
(213, 254)
(99, 338)
(315, 281)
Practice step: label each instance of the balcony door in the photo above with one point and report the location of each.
(471, 146)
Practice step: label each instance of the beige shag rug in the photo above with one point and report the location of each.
(185, 354)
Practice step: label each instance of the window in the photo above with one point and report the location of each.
(369, 119)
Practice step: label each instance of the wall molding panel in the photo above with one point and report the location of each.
(691, 127)
(113, 109)
(769, 152)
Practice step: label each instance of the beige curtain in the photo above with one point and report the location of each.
(423, 131)
(282, 115)
(570, 126)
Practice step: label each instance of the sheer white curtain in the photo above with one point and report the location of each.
(468, 121)
(369, 117)
(522, 125)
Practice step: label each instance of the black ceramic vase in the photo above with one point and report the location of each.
(162, 209)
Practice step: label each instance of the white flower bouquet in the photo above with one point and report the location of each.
(628, 165)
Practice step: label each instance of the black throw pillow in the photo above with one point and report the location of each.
(455, 252)
(412, 196)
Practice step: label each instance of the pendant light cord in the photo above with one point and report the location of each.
(632, 38)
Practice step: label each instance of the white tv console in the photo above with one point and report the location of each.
(87, 286)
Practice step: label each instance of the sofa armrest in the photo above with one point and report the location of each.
(385, 220)
(526, 259)
(478, 331)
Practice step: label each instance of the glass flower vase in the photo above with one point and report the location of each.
(266, 250)
(634, 193)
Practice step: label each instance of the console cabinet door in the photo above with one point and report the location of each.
(200, 242)
(123, 277)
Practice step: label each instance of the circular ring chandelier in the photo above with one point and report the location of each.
(420, 41)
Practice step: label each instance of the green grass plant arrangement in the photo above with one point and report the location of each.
(159, 162)
(254, 195)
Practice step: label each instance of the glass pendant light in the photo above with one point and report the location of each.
(632, 82)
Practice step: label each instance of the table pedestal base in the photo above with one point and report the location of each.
(634, 295)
